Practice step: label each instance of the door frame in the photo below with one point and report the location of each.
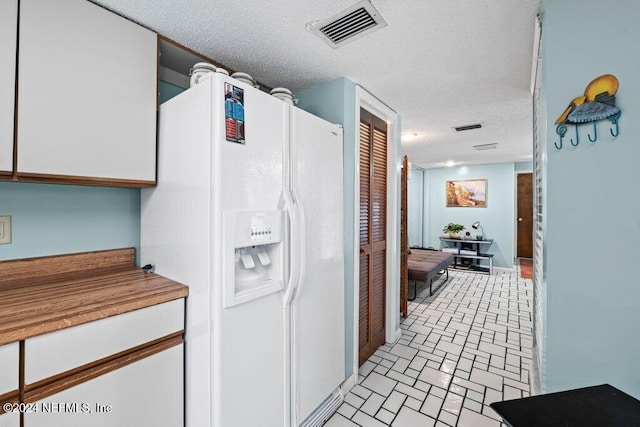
(515, 211)
(392, 295)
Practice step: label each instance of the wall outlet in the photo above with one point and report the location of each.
(5, 230)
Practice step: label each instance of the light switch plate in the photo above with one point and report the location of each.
(5, 230)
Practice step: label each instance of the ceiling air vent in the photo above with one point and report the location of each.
(482, 147)
(467, 127)
(348, 25)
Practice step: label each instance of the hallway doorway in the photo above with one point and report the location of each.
(373, 233)
(525, 215)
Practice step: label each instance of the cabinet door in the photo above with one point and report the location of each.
(9, 362)
(8, 43)
(147, 393)
(87, 95)
(10, 420)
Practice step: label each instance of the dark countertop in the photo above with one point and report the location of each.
(597, 406)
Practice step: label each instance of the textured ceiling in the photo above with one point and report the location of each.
(438, 63)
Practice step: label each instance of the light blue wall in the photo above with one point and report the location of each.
(50, 219)
(166, 91)
(497, 218)
(523, 166)
(415, 208)
(335, 102)
(593, 208)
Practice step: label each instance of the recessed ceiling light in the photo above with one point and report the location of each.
(409, 136)
(449, 163)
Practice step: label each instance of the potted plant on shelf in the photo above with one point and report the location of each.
(453, 230)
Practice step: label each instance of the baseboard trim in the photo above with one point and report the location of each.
(349, 383)
(504, 269)
(395, 336)
(536, 372)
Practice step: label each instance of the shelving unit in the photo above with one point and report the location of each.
(472, 243)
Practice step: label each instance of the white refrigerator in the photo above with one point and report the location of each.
(248, 213)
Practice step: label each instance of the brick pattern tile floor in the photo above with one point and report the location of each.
(461, 349)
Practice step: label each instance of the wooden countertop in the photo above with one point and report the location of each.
(40, 295)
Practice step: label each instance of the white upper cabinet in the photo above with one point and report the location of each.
(8, 43)
(86, 95)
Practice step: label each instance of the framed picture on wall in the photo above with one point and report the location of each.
(470, 193)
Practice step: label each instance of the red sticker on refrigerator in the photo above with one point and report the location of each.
(234, 113)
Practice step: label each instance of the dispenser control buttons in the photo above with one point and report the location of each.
(260, 233)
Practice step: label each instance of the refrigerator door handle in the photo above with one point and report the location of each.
(294, 263)
(302, 239)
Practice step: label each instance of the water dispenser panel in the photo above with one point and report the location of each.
(253, 255)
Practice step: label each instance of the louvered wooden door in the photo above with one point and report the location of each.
(404, 238)
(373, 225)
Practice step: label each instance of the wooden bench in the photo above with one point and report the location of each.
(424, 265)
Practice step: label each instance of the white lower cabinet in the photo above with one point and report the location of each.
(121, 371)
(146, 393)
(9, 356)
(10, 420)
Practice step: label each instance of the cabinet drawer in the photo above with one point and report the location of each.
(8, 368)
(57, 352)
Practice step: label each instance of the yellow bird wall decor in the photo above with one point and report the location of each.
(597, 103)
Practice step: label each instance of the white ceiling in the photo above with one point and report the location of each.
(438, 63)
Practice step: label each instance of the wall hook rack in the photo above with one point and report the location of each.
(598, 103)
(561, 130)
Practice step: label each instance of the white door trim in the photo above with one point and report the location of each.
(392, 327)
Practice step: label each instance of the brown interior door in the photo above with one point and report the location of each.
(373, 224)
(525, 215)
